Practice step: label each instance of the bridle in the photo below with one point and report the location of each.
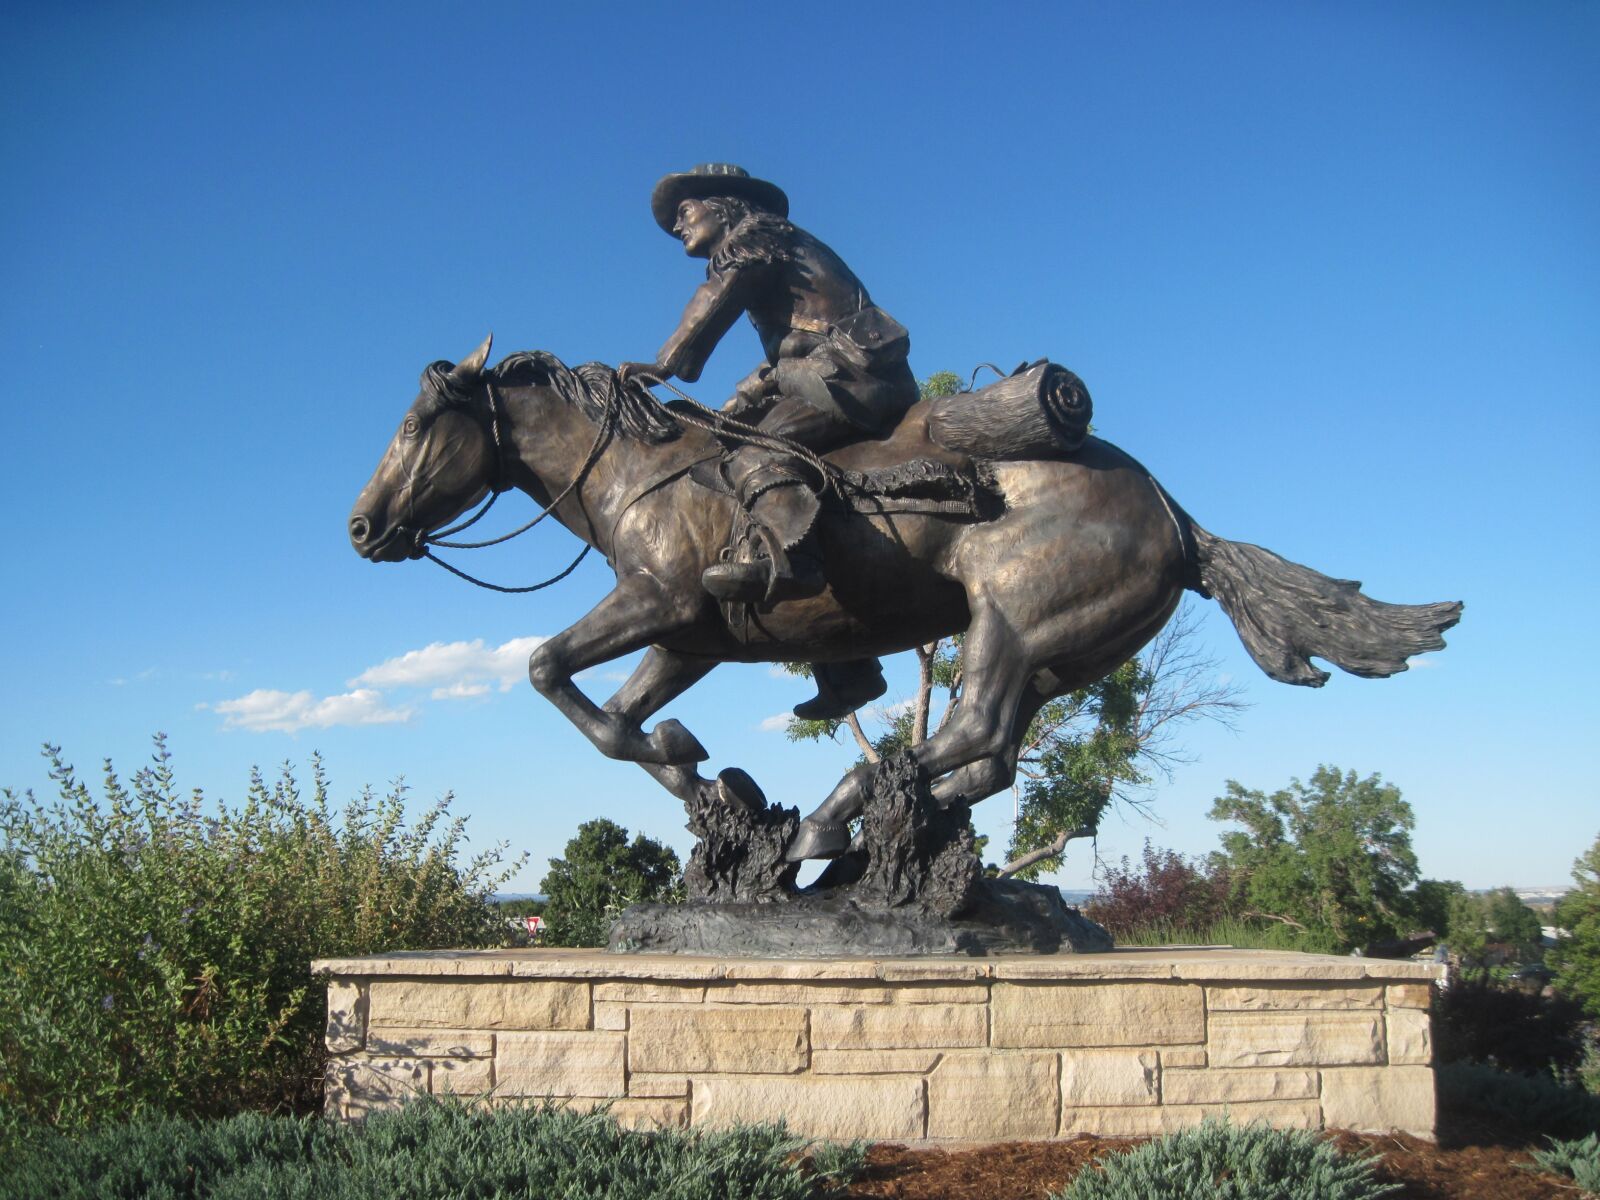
(424, 540)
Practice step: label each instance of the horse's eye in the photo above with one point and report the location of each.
(412, 426)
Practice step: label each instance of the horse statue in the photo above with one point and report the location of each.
(1080, 561)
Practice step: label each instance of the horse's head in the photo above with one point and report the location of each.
(440, 463)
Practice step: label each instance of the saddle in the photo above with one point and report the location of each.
(937, 458)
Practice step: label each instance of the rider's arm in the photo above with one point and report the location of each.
(714, 307)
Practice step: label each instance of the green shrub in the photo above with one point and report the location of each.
(428, 1149)
(1535, 1104)
(155, 950)
(1478, 1020)
(1233, 931)
(1579, 1160)
(1219, 1161)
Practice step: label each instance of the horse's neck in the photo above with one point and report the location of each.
(551, 440)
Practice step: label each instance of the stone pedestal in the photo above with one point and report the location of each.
(1129, 1042)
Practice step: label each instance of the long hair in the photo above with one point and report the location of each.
(755, 235)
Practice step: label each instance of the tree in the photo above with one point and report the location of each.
(1334, 855)
(602, 874)
(1576, 956)
(1430, 904)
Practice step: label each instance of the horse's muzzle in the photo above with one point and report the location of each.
(396, 544)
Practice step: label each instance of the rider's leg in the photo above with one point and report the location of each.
(842, 687)
(779, 492)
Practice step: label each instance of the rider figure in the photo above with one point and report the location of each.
(835, 372)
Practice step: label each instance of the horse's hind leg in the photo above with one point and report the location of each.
(995, 681)
(979, 780)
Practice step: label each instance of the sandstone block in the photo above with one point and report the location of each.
(1098, 1078)
(637, 991)
(1291, 997)
(1410, 995)
(486, 1004)
(430, 1043)
(797, 994)
(873, 1062)
(610, 1016)
(560, 1064)
(933, 993)
(1410, 1036)
(657, 1086)
(1150, 1122)
(462, 1076)
(1379, 1100)
(993, 1096)
(1222, 1085)
(651, 1114)
(843, 1107)
(900, 1027)
(1097, 1014)
(679, 1039)
(1183, 1056)
(347, 1017)
(371, 1085)
(1295, 1039)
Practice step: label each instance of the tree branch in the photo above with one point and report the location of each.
(919, 719)
(861, 738)
(1054, 850)
(1266, 916)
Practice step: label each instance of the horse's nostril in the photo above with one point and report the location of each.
(360, 529)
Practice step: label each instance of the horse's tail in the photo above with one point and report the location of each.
(1286, 614)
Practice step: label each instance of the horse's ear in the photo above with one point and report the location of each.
(471, 366)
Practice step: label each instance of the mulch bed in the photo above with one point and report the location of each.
(1468, 1164)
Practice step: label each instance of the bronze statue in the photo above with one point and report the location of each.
(1068, 559)
(835, 373)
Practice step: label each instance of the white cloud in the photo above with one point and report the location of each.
(265, 709)
(460, 690)
(776, 724)
(455, 669)
(888, 712)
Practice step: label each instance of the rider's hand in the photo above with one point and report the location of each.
(630, 372)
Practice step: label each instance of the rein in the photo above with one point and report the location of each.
(425, 541)
(689, 411)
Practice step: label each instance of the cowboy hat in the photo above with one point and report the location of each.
(713, 179)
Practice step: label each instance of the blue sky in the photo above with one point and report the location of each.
(1331, 272)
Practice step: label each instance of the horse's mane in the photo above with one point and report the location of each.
(592, 388)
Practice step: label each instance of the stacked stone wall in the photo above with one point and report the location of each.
(913, 1050)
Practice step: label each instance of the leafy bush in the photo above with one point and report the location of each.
(1219, 1161)
(1579, 1160)
(1506, 1027)
(155, 950)
(601, 875)
(1166, 891)
(1536, 1104)
(428, 1149)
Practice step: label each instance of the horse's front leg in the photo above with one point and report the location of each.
(633, 615)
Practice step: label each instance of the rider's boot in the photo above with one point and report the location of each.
(842, 688)
(783, 508)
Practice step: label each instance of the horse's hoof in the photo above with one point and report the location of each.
(675, 745)
(816, 839)
(736, 787)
